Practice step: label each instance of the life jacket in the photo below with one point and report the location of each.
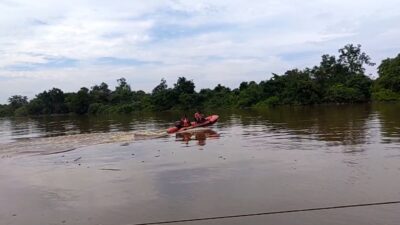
(186, 122)
(199, 117)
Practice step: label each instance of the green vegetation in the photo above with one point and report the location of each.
(340, 79)
(387, 86)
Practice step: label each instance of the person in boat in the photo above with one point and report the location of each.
(185, 121)
(199, 117)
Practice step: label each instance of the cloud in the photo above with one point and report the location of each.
(77, 43)
(50, 63)
(123, 62)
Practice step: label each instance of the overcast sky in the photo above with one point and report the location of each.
(75, 43)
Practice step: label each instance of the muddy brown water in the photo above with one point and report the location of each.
(125, 170)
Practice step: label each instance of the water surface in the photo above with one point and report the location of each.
(125, 170)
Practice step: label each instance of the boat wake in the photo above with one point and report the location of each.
(65, 143)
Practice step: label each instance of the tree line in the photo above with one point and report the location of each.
(337, 79)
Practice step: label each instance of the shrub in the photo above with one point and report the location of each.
(385, 95)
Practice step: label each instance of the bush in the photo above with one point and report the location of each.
(95, 108)
(21, 111)
(341, 94)
(126, 108)
(36, 107)
(269, 102)
(385, 95)
(5, 110)
(272, 101)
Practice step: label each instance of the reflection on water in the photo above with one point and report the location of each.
(389, 118)
(333, 125)
(15, 128)
(200, 135)
(337, 125)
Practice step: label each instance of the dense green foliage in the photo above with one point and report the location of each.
(337, 79)
(387, 86)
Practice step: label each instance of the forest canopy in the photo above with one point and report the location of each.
(337, 79)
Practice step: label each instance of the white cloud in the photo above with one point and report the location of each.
(209, 41)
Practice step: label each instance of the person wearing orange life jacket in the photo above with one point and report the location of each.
(185, 121)
(199, 118)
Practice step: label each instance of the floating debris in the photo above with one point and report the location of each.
(75, 160)
(110, 169)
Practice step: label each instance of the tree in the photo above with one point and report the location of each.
(219, 97)
(122, 93)
(122, 85)
(339, 93)
(243, 85)
(161, 87)
(336, 79)
(52, 101)
(79, 102)
(221, 88)
(353, 59)
(36, 107)
(389, 74)
(329, 72)
(184, 86)
(5, 110)
(100, 93)
(184, 92)
(250, 94)
(162, 97)
(273, 86)
(57, 100)
(299, 88)
(17, 101)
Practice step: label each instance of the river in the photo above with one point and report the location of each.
(125, 170)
